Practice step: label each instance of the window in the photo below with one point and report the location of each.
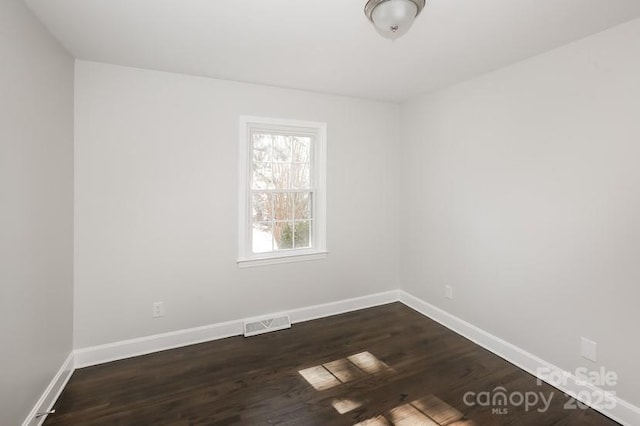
(282, 191)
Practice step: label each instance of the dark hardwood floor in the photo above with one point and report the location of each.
(379, 366)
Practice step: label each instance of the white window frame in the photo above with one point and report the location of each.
(318, 249)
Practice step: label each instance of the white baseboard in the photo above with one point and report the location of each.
(623, 412)
(51, 393)
(100, 354)
(340, 307)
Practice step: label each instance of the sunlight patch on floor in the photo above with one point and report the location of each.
(344, 405)
(368, 363)
(426, 411)
(319, 377)
(376, 421)
(408, 415)
(441, 412)
(344, 370)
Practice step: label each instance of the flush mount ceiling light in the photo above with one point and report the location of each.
(393, 18)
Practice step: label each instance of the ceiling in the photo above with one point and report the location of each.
(323, 45)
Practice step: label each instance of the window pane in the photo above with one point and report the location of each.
(283, 206)
(262, 176)
(282, 175)
(282, 148)
(301, 149)
(262, 156)
(284, 235)
(262, 238)
(300, 176)
(301, 205)
(302, 233)
(262, 146)
(262, 208)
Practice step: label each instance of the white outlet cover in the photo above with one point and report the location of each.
(158, 310)
(588, 349)
(448, 292)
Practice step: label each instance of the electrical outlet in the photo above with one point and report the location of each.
(448, 292)
(588, 349)
(158, 309)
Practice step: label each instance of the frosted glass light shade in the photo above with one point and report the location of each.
(393, 18)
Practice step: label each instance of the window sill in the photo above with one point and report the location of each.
(250, 263)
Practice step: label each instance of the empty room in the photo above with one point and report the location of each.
(337, 212)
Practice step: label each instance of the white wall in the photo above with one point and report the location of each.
(523, 194)
(36, 210)
(156, 202)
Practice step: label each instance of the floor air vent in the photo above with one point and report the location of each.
(265, 325)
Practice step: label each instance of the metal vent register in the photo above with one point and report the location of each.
(265, 325)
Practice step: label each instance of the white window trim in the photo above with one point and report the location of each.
(245, 256)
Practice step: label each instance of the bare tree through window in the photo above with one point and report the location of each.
(282, 194)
